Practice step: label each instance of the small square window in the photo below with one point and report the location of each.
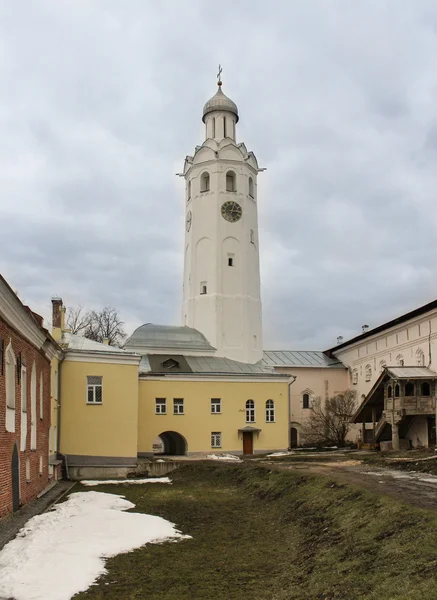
(178, 406)
(216, 406)
(216, 439)
(160, 406)
(94, 389)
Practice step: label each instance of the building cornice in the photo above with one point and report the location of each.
(110, 358)
(218, 377)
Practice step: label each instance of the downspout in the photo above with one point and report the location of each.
(290, 383)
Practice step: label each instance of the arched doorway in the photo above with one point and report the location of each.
(173, 443)
(293, 437)
(15, 474)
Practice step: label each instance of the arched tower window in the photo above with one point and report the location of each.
(306, 399)
(270, 411)
(420, 358)
(204, 182)
(250, 411)
(368, 372)
(355, 376)
(10, 388)
(224, 127)
(231, 182)
(251, 193)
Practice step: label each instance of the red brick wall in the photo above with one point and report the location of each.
(28, 490)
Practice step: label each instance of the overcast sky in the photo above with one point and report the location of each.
(101, 101)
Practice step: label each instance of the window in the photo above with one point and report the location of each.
(389, 391)
(305, 401)
(203, 288)
(230, 182)
(41, 395)
(160, 406)
(231, 260)
(368, 372)
(178, 406)
(250, 411)
(204, 182)
(409, 389)
(189, 190)
(399, 360)
(251, 187)
(224, 126)
(420, 358)
(27, 469)
(23, 428)
(213, 127)
(10, 388)
(216, 439)
(397, 394)
(170, 363)
(426, 390)
(33, 408)
(270, 411)
(94, 389)
(216, 406)
(355, 377)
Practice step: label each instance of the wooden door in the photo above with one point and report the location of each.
(293, 437)
(15, 474)
(247, 442)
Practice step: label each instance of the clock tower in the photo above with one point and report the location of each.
(221, 296)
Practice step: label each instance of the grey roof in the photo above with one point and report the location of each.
(411, 373)
(204, 365)
(77, 342)
(220, 102)
(161, 337)
(299, 358)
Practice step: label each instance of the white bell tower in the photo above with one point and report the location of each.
(221, 296)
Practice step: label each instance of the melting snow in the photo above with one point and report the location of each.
(222, 457)
(62, 552)
(279, 454)
(92, 482)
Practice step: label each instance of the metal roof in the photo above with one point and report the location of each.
(411, 373)
(150, 336)
(78, 342)
(299, 358)
(205, 365)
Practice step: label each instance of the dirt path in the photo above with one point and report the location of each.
(416, 489)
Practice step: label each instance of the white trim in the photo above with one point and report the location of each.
(109, 358)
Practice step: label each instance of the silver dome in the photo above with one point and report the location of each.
(220, 102)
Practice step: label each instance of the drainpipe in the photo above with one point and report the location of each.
(290, 383)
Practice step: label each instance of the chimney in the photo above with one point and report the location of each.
(364, 328)
(56, 312)
(339, 340)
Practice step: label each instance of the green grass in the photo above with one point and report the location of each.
(270, 534)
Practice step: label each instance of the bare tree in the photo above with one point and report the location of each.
(330, 423)
(78, 320)
(105, 324)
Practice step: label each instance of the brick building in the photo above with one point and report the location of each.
(26, 351)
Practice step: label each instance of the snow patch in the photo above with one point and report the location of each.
(222, 457)
(62, 552)
(278, 454)
(92, 482)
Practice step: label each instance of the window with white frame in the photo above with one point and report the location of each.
(368, 372)
(160, 406)
(355, 376)
(178, 406)
(270, 411)
(216, 406)
(10, 388)
(94, 389)
(204, 182)
(250, 411)
(23, 426)
(41, 465)
(33, 408)
(216, 439)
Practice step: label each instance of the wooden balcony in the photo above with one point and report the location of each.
(411, 405)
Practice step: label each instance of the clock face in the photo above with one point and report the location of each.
(231, 211)
(188, 220)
